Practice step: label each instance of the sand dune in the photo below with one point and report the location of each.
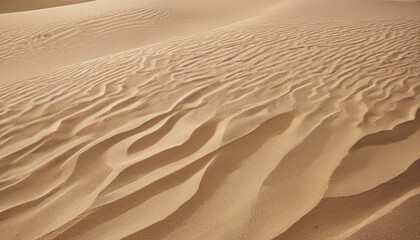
(10, 6)
(210, 120)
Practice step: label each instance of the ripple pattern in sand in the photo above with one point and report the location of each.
(221, 135)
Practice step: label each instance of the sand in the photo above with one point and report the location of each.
(10, 6)
(186, 119)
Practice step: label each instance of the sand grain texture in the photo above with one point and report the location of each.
(210, 120)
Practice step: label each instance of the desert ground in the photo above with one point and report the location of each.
(210, 119)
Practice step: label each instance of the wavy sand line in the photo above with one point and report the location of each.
(212, 132)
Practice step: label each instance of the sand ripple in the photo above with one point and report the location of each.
(269, 128)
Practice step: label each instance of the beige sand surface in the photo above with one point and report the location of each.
(199, 119)
(10, 6)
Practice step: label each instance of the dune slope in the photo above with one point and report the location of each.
(10, 6)
(298, 120)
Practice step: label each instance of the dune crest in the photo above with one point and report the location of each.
(9, 6)
(161, 120)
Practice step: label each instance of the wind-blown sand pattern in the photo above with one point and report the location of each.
(210, 120)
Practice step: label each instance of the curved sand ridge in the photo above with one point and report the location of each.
(281, 126)
(38, 42)
(9, 6)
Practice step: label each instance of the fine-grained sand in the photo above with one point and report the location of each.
(187, 119)
(7, 6)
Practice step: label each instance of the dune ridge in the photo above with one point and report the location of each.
(288, 123)
(10, 6)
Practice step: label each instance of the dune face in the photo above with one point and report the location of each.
(190, 120)
(10, 6)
